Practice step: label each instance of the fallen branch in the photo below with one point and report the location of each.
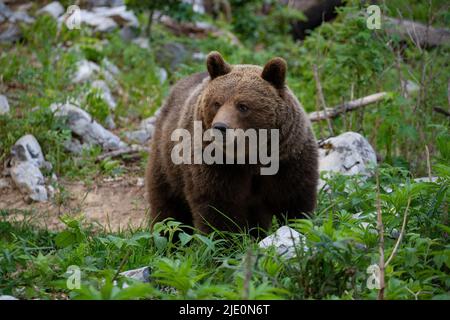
(132, 150)
(419, 33)
(331, 113)
(442, 111)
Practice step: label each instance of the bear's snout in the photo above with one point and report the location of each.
(222, 127)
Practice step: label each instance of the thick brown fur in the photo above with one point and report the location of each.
(201, 194)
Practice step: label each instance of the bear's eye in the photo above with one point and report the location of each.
(242, 107)
(216, 105)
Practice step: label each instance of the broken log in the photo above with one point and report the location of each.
(422, 35)
(331, 113)
(131, 151)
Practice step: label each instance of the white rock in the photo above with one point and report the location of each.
(27, 148)
(199, 56)
(119, 15)
(6, 297)
(100, 22)
(85, 71)
(162, 75)
(197, 5)
(111, 67)
(21, 16)
(138, 136)
(82, 124)
(109, 122)
(141, 274)
(148, 123)
(105, 93)
(349, 154)
(29, 180)
(140, 182)
(285, 240)
(4, 105)
(55, 9)
(142, 42)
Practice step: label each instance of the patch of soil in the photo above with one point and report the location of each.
(113, 204)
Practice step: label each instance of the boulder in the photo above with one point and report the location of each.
(171, 55)
(144, 134)
(9, 33)
(348, 154)
(26, 160)
(85, 70)
(4, 105)
(54, 9)
(119, 15)
(105, 93)
(110, 67)
(27, 149)
(86, 129)
(286, 242)
(29, 180)
(142, 42)
(129, 33)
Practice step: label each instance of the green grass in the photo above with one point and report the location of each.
(33, 263)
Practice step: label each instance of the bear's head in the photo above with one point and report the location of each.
(243, 96)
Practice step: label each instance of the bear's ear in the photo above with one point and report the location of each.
(216, 65)
(275, 72)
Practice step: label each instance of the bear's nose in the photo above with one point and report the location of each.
(222, 127)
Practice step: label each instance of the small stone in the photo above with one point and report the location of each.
(199, 56)
(138, 136)
(99, 22)
(141, 274)
(4, 105)
(29, 180)
(85, 71)
(55, 9)
(111, 67)
(140, 182)
(128, 33)
(109, 122)
(148, 123)
(142, 42)
(285, 240)
(105, 93)
(27, 148)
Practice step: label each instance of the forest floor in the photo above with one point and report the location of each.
(111, 203)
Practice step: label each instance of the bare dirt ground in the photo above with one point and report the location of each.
(113, 204)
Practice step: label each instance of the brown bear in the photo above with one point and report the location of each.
(233, 196)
